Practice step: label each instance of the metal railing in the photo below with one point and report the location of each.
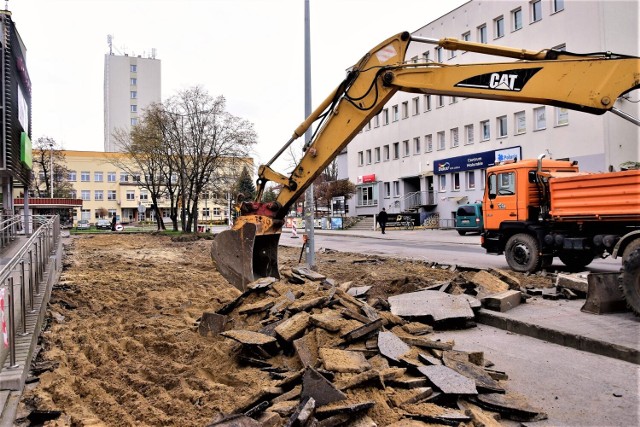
(27, 265)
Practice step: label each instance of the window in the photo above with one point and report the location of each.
(483, 177)
(133, 94)
(112, 213)
(455, 185)
(368, 156)
(85, 195)
(144, 195)
(134, 108)
(440, 140)
(111, 195)
(133, 68)
(134, 121)
(111, 177)
(536, 10)
(415, 102)
(468, 135)
(558, 5)
(498, 27)
(385, 117)
(405, 148)
(98, 195)
(72, 176)
(539, 119)
(385, 153)
(428, 142)
(438, 55)
(85, 176)
(376, 120)
(134, 81)
(217, 211)
(562, 116)
(471, 180)
(387, 190)
(455, 141)
(501, 125)
(466, 36)
(396, 188)
(516, 19)
(520, 122)
(367, 195)
(451, 54)
(405, 109)
(205, 212)
(124, 177)
(360, 158)
(427, 103)
(395, 113)
(97, 176)
(442, 183)
(73, 194)
(416, 145)
(368, 126)
(396, 150)
(377, 154)
(485, 130)
(440, 101)
(482, 33)
(507, 184)
(131, 195)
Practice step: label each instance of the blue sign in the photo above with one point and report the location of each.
(472, 161)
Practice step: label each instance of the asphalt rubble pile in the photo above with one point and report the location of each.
(336, 357)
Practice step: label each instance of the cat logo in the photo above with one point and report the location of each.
(511, 80)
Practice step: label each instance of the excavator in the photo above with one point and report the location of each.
(589, 83)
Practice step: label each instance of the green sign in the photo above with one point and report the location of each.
(25, 150)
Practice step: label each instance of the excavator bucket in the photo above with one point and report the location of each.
(242, 255)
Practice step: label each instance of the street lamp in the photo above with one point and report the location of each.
(51, 170)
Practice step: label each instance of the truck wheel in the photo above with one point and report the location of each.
(631, 247)
(629, 281)
(462, 232)
(522, 253)
(576, 260)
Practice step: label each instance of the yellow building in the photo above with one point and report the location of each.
(106, 190)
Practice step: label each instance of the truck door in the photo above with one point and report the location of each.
(503, 201)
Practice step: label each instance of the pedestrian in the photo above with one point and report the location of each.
(382, 219)
(113, 223)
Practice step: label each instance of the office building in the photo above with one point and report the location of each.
(403, 159)
(131, 83)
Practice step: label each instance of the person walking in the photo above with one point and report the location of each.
(113, 223)
(382, 219)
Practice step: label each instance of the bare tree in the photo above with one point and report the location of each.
(47, 153)
(205, 140)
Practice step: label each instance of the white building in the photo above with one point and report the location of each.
(131, 83)
(399, 163)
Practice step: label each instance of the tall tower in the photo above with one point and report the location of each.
(131, 83)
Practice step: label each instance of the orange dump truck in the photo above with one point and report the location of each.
(535, 210)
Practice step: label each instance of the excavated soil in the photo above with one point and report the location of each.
(121, 345)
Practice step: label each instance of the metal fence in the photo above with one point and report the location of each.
(21, 276)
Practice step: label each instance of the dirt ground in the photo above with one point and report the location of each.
(121, 345)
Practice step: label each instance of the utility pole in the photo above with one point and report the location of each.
(309, 213)
(51, 169)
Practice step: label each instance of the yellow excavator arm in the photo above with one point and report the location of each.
(589, 83)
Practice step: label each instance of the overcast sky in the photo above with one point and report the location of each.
(249, 51)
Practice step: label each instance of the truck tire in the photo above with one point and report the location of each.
(631, 247)
(629, 281)
(576, 260)
(522, 253)
(462, 232)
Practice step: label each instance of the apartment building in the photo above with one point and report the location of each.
(131, 83)
(429, 153)
(98, 179)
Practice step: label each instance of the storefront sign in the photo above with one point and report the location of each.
(473, 161)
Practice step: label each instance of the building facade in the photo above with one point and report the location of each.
(106, 190)
(429, 153)
(131, 83)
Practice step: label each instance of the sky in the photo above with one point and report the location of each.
(249, 51)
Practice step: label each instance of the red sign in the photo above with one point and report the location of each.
(367, 178)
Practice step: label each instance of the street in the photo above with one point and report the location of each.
(441, 246)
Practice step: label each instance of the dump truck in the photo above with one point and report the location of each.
(539, 209)
(588, 83)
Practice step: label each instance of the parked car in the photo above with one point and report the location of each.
(469, 218)
(83, 224)
(103, 224)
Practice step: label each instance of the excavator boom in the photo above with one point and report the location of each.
(588, 83)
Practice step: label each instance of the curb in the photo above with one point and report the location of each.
(578, 342)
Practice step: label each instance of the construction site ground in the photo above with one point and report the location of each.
(121, 345)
